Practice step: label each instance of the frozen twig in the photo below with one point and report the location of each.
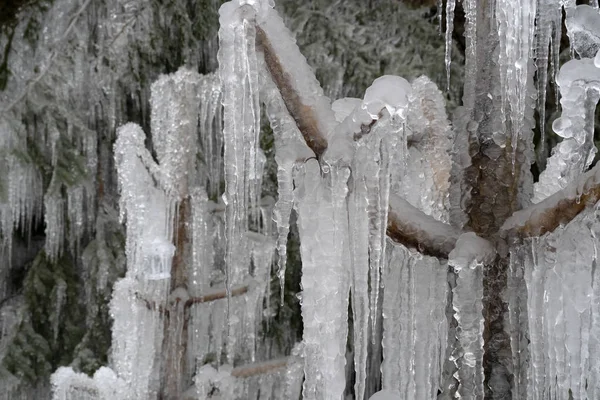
(556, 210)
(260, 368)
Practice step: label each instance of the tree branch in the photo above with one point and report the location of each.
(302, 114)
(260, 368)
(411, 227)
(407, 225)
(556, 210)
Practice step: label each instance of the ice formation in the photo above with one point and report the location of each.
(415, 329)
(579, 82)
(468, 258)
(583, 27)
(562, 310)
(516, 28)
(323, 226)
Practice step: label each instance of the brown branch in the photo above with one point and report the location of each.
(558, 209)
(412, 228)
(302, 114)
(260, 368)
(217, 294)
(407, 225)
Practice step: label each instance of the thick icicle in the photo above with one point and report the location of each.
(468, 258)
(324, 245)
(579, 82)
(415, 325)
(516, 28)
(238, 71)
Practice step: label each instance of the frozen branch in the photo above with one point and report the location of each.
(411, 227)
(556, 210)
(407, 225)
(303, 115)
(260, 368)
(214, 295)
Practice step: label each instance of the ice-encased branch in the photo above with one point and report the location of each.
(558, 209)
(302, 114)
(411, 227)
(407, 225)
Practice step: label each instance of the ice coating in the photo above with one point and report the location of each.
(516, 28)
(415, 327)
(450, 6)
(579, 82)
(583, 28)
(324, 241)
(468, 258)
(562, 308)
(390, 92)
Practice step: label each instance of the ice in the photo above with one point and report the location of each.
(324, 246)
(300, 76)
(516, 28)
(579, 82)
(238, 71)
(450, 6)
(358, 224)
(562, 307)
(385, 395)
(415, 326)
(583, 28)
(390, 92)
(290, 149)
(548, 26)
(174, 122)
(468, 258)
(344, 107)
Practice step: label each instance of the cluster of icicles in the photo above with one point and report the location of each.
(342, 202)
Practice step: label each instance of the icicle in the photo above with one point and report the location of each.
(324, 246)
(55, 223)
(516, 27)
(415, 327)
(549, 13)
(359, 249)
(450, 4)
(239, 77)
(471, 64)
(516, 297)
(468, 258)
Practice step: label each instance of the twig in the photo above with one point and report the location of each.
(217, 294)
(558, 209)
(260, 368)
(409, 226)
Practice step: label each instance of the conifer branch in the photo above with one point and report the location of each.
(407, 225)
